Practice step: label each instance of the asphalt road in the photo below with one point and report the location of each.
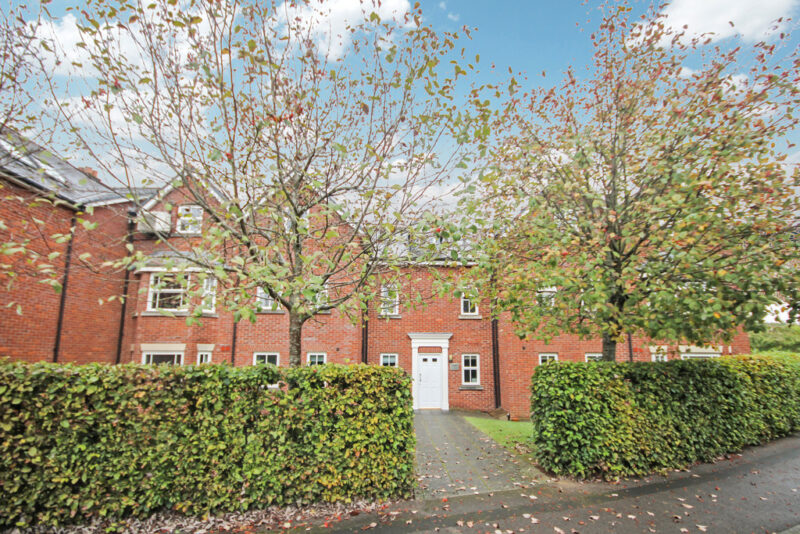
(757, 491)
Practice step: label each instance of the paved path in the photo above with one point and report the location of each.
(455, 458)
(758, 491)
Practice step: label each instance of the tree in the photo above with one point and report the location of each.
(27, 250)
(645, 198)
(310, 148)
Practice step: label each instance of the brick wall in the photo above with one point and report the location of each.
(90, 329)
(29, 334)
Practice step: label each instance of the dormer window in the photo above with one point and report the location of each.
(190, 219)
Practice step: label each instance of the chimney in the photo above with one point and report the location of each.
(88, 170)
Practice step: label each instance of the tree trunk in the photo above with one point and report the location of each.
(609, 348)
(295, 339)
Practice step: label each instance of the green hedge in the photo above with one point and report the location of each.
(622, 419)
(779, 337)
(81, 442)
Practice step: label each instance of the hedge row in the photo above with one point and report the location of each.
(81, 442)
(622, 419)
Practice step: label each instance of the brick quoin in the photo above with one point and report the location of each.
(90, 329)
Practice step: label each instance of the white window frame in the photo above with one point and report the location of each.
(262, 302)
(323, 297)
(151, 291)
(548, 355)
(469, 312)
(476, 368)
(190, 219)
(209, 297)
(149, 356)
(266, 356)
(389, 306)
(393, 355)
(593, 357)
(546, 296)
(323, 354)
(659, 357)
(201, 357)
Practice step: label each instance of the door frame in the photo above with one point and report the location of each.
(430, 339)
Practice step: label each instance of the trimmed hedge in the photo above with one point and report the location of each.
(622, 419)
(81, 442)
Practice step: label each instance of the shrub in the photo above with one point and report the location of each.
(780, 337)
(622, 419)
(80, 442)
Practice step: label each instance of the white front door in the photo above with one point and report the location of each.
(429, 377)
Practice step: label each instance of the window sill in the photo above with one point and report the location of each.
(151, 313)
(270, 312)
(470, 317)
(389, 316)
(470, 387)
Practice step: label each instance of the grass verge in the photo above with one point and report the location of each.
(506, 433)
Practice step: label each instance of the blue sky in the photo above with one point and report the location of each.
(532, 36)
(537, 35)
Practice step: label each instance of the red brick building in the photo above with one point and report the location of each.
(458, 356)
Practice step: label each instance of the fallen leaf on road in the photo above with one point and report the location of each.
(687, 505)
(702, 528)
(594, 517)
(558, 530)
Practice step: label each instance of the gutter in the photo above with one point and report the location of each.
(496, 363)
(125, 284)
(496, 351)
(233, 343)
(63, 300)
(364, 336)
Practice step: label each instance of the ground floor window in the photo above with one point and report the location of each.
(594, 356)
(659, 356)
(203, 357)
(316, 358)
(163, 358)
(263, 358)
(389, 360)
(547, 357)
(470, 365)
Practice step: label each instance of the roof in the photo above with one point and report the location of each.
(40, 168)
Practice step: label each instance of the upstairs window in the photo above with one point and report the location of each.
(390, 300)
(265, 302)
(388, 360)
(468, 306)
(203, 357)
(167, 293)
(546, 296)
(190, 219)
(209, 295)
(470, 365)
(316, 358)
(594, 356)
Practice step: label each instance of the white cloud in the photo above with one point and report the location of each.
(453, 16)
(443, 6)
(753, 20)
(330, 22)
